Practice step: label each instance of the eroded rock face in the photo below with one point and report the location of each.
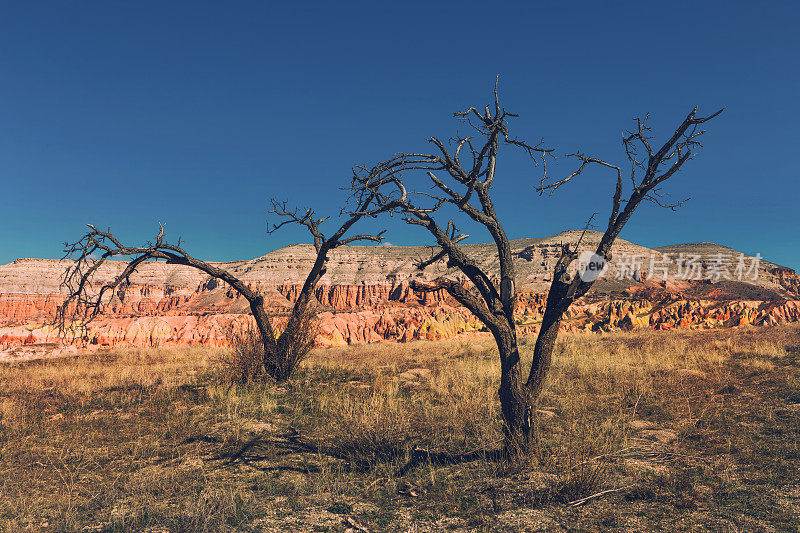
(407, 323)
(365, 296)
(786, 278)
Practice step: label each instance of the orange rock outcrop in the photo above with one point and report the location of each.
(365, 300)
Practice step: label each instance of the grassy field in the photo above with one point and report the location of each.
(677, 431)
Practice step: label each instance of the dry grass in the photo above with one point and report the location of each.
(699, 429)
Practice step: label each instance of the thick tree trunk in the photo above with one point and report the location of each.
(518, 398)
(516, 403)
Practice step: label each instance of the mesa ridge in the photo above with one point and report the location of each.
(365, 295)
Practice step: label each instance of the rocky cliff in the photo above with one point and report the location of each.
(365, 295)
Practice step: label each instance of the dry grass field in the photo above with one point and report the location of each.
(678, 431)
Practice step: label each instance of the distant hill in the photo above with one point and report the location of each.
(632, 265)
(365, 295)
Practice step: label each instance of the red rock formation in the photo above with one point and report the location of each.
(787, 278)
(165, 304)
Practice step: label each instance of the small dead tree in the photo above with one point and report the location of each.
(280, 355)
(461, 174)
(323, 246)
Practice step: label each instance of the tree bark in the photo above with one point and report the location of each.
(517, 406)
(262, 322)
(543, 353)
(516, 403)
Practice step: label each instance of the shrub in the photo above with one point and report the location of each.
(247, 360)
(293, 345)
(243, 362)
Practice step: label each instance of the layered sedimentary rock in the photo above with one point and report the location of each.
(365, 295)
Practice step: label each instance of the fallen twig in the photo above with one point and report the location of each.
(576, 503)
(618, 453)
(373, 483)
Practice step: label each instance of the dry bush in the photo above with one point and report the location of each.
(247, 361)
(244, 361)
(583, 479)
(293, 345)
(577, 451)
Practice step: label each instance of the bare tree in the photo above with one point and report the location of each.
(467, 186)
(323, 246)
(96, 247)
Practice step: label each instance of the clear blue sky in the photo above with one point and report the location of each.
(123, 114)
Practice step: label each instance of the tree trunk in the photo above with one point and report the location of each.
(516, 403)
(518, 399)
(543, 351)
(264, 328)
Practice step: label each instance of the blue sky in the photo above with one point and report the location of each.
(124, 114)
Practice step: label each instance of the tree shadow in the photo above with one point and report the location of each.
(291, 444)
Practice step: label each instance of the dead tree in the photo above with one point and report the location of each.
(323, 246)
(461, 175)
(94, 248)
